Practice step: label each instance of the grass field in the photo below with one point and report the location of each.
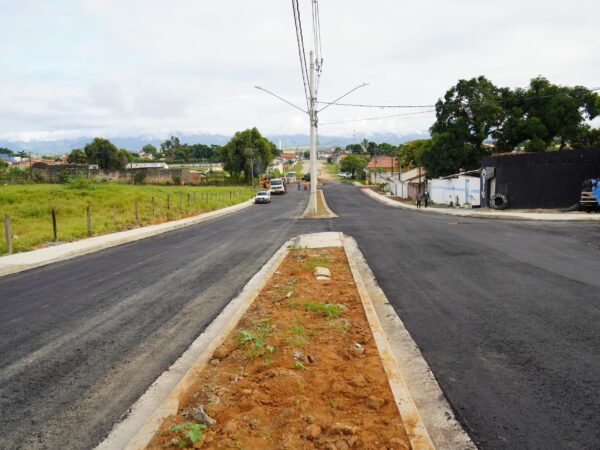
(331, 168)
(299, 169)
(112, 208)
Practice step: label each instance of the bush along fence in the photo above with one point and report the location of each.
(32, 226)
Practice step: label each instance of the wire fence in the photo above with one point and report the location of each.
(33, 225)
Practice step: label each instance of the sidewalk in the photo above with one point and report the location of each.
(19, 262)
(482, 213)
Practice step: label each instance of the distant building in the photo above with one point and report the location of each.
(293, 156)
(383, 163)
(147, 165)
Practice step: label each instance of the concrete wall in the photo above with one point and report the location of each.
(463, 190)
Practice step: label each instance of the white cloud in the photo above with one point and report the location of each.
(133, 67)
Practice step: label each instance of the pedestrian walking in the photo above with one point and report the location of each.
(426, 198)
(299, 185)
(306, 185)
(419, 198)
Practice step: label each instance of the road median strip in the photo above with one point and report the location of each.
(299, 359)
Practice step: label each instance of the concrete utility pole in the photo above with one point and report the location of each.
(312, 114)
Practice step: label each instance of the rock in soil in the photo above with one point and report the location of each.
(311, 358)
(221, 352)
(199, 415)
(356, 349)
(358, 381)
(343, 428)
(322, 272)
(230, 427)
(312, 432)
(375, 402)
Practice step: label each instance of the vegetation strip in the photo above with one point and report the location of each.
(300, 370)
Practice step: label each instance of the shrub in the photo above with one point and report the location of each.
(81, 182)
(176, 180)
(139, 177)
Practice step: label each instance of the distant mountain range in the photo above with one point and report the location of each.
(136, 143)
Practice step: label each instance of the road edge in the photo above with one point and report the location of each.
(468, 214)
(428, 417)
(20, 262)
(161, 399)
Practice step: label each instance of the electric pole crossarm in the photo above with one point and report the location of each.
(341, 97)
(260, 88)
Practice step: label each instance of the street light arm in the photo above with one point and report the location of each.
(341, 97)
(260, 88)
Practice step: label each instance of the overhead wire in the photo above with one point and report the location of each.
(301, 52)
(380, 117)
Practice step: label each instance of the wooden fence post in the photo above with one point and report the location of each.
(7, 234)
(168, 201)
(89, 221)
(136, 210)
(188, 199)
(153, 207)
(54, 224)
(181, 200)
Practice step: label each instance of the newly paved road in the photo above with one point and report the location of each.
(506, 314)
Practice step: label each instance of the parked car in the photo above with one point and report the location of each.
(277, 186)
(262, 197)
(345, 174)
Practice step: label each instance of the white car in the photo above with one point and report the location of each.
(262, 197)
(345, 175)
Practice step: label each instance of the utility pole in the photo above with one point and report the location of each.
(312, 114)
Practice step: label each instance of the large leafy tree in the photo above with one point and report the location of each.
(77, 156)
(102, 152)
(243, 148)
(545, 113)
(6, 151)
(354, 148)
(353, 164)
(410, 154)
(150, 149)
(170, 147)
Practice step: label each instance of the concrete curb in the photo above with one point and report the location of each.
(468, 213)
(428, 418)
(19, 262)
(162, 398)
(330, 213)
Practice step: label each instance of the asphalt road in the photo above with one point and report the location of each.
(505, 312)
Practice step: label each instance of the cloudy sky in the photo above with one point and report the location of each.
(131, 67)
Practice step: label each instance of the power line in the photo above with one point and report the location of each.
(380, 117)
(355, 105)
(301, 52)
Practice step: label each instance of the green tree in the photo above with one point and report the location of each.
(410, 154)
(244, 147)
(102, 152)
(353, 164)
(170, 147)
(77, 156)
(543, 113)
(6, 151)
(306, 154)
(354, 148)
(387, 149)
(150, 149)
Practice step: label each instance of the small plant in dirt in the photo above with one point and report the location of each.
(317, 261)
(188, 433)
(254, 340)
(329, 310)
(299, 365)
(341, 326)
(298, 336)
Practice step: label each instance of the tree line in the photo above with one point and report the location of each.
(245, 151)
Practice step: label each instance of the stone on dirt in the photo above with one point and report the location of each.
(322, 272)
(375, 402)
(199, 415)
(312, 432)
(221, 352)
(343, 428)
(230, 427)
(356, 349)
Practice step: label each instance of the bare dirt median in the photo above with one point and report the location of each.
(300, 371)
